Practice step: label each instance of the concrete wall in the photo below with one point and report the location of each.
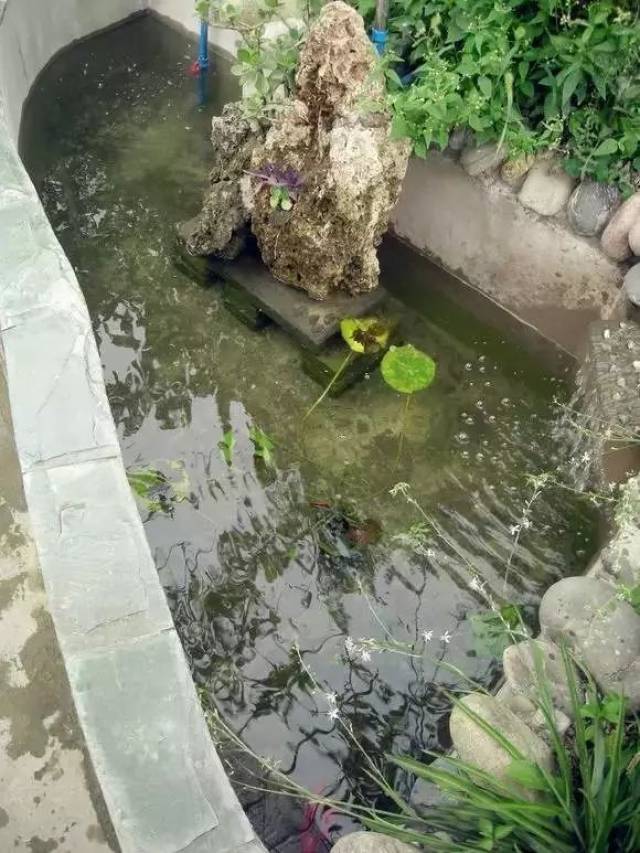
(33, 31)
(162, 781)
(532, 266)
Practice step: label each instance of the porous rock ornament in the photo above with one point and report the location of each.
(335, 134)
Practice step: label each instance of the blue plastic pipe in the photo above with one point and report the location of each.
(379, 39)
(379, 31)
(203, 61)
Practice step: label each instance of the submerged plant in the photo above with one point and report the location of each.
(263, 446)
(226, 445)
(157, 492)
(363, 335)
(284, 185)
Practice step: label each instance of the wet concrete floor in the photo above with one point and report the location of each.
(49, 799)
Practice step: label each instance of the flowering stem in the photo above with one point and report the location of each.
(333, 381)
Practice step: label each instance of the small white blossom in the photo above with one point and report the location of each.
(365, 656)
(333, 714)
(514, 529)
(399, 488)
(526, 523)
(349, 645)
(445, 638)
(427, 636)
(331, 698)
(476, 584)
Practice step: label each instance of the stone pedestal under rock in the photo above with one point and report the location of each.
(335, 137)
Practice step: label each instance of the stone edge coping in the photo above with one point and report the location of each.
(163, 783)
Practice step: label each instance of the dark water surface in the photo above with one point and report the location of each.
(255, 560)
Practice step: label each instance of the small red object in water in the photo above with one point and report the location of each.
(194, 69)
(315, 830)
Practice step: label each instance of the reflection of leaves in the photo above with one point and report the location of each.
(226, 445)
(263, 446)
(407, 369)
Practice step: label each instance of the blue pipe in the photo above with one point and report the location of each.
(379, 39)
(203, 61)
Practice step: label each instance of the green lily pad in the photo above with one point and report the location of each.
(364, 334)
(407, 369)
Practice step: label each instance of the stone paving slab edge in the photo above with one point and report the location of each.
(162, 780)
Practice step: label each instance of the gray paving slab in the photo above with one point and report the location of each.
(150, 743)
(58, 397)
(310, 322)
(100, 577)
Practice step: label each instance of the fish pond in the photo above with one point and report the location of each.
(321, 570)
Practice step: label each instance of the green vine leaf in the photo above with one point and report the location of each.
(407, 369)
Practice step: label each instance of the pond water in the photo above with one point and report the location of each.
(259, 561)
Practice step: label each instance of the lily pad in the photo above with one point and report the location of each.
(364, 334)
(407, 369)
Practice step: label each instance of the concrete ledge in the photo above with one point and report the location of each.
(162, 781)
(530, 265)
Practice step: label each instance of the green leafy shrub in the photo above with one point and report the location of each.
(558, 74)
(590, 803)
(272, 33)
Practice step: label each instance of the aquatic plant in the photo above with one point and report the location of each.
(157, 492)
(226, 445)
(362, 335)
(263, 445)
(408, 370)
(284, 185)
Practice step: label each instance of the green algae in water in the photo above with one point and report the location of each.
(258, 558)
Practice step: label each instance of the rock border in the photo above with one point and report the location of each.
(165, 788)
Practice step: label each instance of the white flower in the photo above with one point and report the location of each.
(586, 457)
(514, 529)
(476, 584)
(445, 638)
(427, 636)
(349, 645)
(526, 523)
(331, 698)
(365, 656)
(399, 488)
(333, 714)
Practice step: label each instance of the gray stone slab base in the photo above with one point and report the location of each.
(162, 781)
(310, 322)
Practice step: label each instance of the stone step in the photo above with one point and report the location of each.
(310, 322)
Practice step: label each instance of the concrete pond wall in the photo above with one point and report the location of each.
(163, 784)
(162, 781)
